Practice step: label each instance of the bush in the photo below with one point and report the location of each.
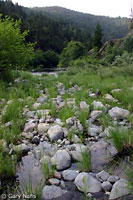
(14, 53)
(128, 44)
(73, 51)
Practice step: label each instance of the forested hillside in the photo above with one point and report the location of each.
(112, 27)
(53, 27)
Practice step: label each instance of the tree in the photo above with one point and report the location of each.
(14, 52)
(73, 51)
(97, 38)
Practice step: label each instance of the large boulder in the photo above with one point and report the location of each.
(52, 192)
(119, 113)
(119, 189)
(55, 133)
(61, 159)
(85, 181)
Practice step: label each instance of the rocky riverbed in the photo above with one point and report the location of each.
(48, 141)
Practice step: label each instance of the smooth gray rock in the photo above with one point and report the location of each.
(119, 113)
(103, 175)
(69, 175)
(119, 189)
(45, 159)
(55, 133)
(106, 186)
(85, 181)
(61, 159)
(52, 192)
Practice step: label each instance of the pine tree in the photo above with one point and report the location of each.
(97, 38)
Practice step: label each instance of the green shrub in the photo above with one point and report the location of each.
(73, 51)
(14, 52)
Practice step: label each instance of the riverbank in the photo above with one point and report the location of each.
(67, 129)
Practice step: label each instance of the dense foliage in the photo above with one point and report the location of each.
(97, 38)
(73, 51)
(14, 53)
(112, 27)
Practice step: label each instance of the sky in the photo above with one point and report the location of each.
(112, 8)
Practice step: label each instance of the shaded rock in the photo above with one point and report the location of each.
(69, 175)
(106, 186)
(61, 159)
(21, 148)
(29, 127)
(119, 189)
(119, 113)
(113, 179)
(85, 181)
(55, 133)
(35, 140)
(52, 192)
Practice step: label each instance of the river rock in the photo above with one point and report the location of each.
(119, 113)
(54, 181)
(52, 192)
(95, 114)
(85, 181)
(119, 189)
(103, 175)
(30, 114)
(94, 130)
(106, 186)
(69, 175)
(29, 127)
(113, 179)
(84, 105)
(21, 148)
(109, 98)
(55, 133)
(42, 128)
(61, 159)
(98, 105)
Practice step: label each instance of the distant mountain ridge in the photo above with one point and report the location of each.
(112, 27)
